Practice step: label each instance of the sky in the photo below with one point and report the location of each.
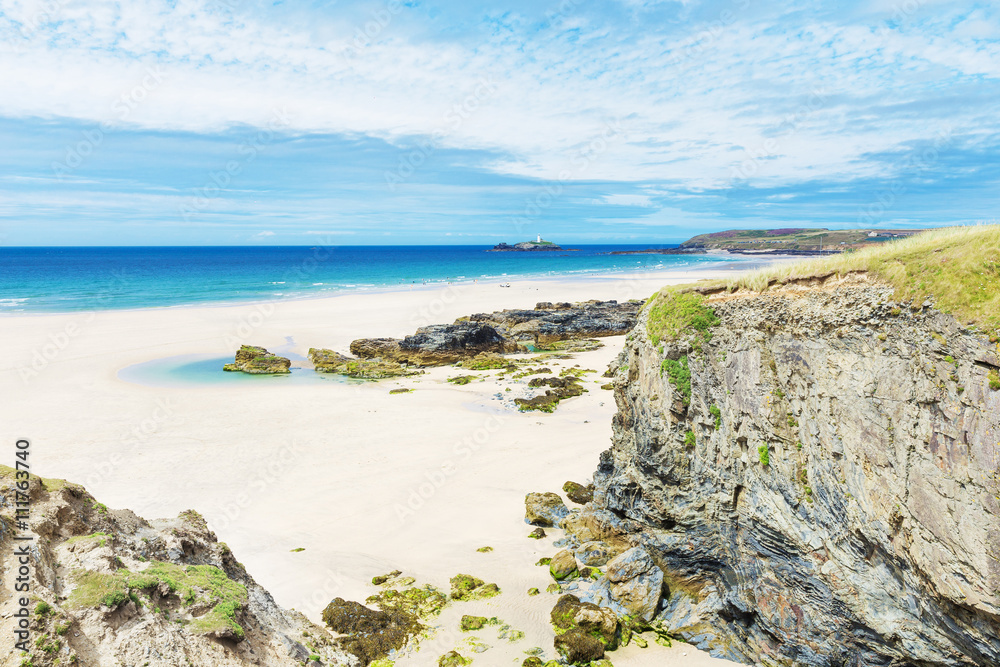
(230, 122)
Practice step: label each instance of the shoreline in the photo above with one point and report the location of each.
(724, 264)
(364, 481)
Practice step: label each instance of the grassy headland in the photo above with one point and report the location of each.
(794, 239)
(957, 267)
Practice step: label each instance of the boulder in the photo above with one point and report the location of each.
(544, 509)
(563, 565)
(258, 361)
(578, 493)
(579, 648)
(636, 583)
(599, 622)
(594, 553)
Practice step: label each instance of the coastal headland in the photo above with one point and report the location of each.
(800, 242)
(796, 453)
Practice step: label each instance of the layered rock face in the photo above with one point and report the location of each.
(110, 588)
(827, 492)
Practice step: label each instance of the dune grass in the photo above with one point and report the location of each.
(958, 267)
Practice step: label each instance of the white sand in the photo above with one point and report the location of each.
(325, 466)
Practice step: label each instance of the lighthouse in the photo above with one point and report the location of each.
(539, 239)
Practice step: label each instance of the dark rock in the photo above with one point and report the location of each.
(258, 361)
(579, 648)
(548, 322)
(436, 345)
(562, 388)
(578, 493)
(370, 634)
(537, 534)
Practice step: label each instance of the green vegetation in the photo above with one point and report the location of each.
(470, 623)
(467, 587)
(994, 379)
(201, 584)
(717, 413)
(484, 550)
(485, 362)
(462, 379)
(958, 267)
(764, 454)
(679, 374)
(689, 440)
(297, 550)
(781, 240)
(43, 608)
(674, 313)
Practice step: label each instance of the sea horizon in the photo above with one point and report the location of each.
(40, 280)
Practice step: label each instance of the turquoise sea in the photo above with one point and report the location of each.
(98, 278)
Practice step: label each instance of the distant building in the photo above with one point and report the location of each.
(872, 235)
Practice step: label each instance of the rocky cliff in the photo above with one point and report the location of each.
(110, 588)
(815, 470)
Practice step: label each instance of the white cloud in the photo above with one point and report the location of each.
(684, 100)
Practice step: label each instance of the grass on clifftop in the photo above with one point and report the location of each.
(201, 585)
(673, 313)
(959, 267)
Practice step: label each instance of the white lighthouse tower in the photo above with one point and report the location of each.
(539, 239)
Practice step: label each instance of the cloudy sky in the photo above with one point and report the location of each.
(448, 121)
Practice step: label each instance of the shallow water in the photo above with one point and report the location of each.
(200, 370)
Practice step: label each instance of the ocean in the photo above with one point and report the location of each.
(99, 278)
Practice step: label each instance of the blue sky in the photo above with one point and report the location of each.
(243, 122)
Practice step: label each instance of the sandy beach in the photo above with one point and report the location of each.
(363, 480)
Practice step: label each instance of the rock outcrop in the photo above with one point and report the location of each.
(110, 588)
(481, 339)
(551, 322)
(544, 509)
(814, 471)
(436, 345)
(328, 361)
(525, 246)
(258, 361)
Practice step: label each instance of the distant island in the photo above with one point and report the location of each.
(526, 246)
(787, 241)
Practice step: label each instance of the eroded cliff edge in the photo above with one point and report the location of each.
(827, 493)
